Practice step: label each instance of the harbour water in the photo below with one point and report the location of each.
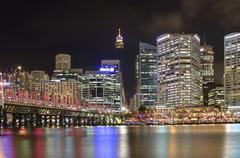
(199, 141)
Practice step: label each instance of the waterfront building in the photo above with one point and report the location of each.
(57, 93)
(119, 74)
(102, 87)
(146, 76)
(63, 62)
(178, 70)
(232, 71)
(207, 70)
(216, 97)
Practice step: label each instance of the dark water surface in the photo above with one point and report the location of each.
(201, 141)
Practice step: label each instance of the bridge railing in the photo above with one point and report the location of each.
(76, 107)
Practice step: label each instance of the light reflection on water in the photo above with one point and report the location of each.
(220, 141)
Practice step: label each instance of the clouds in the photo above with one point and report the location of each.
(166, 22)
(226, 13)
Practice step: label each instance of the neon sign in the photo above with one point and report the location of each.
(107, 69)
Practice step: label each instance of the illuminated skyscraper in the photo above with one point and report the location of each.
(216, 97)
(146, 75)
(232, 70)
(119, 41)
(117, 67)
(179, 70)
(102, 87)
(207, 62)
(63, 62)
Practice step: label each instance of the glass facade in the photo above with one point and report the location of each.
(207, 63)
(216, 97)
(103, 89)
(232, 71)
(178, 70)
(146, 75)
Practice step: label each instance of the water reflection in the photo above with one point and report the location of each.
(231, 147)
(7, 147)
(221, 141)
(105, 142)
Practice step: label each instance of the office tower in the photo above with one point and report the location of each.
(178, 70)
(119, 41)
(117, 67)
(207, 72)
(216, 97)
(232, 71)
(102, 88)
(63, 62)
(146, 75)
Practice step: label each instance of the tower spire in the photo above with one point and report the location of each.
(119, 40)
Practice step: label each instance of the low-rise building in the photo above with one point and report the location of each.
(58, 93)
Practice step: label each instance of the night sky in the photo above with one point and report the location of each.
(32, 33)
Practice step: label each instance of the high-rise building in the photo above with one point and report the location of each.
(207, 72)
(117, 67)
(119, 41)
(146, 75)
(232, 70)
(63, 62)
(216, 97)
(102, 87)
(179, 70)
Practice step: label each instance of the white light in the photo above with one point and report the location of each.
(196, 36)
(4, 84)
(231, 36)
(162, 38)
(107, 69)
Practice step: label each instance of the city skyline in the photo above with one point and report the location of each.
(38, 32)
(122, 79)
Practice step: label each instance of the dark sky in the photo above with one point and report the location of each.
(31, 33)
